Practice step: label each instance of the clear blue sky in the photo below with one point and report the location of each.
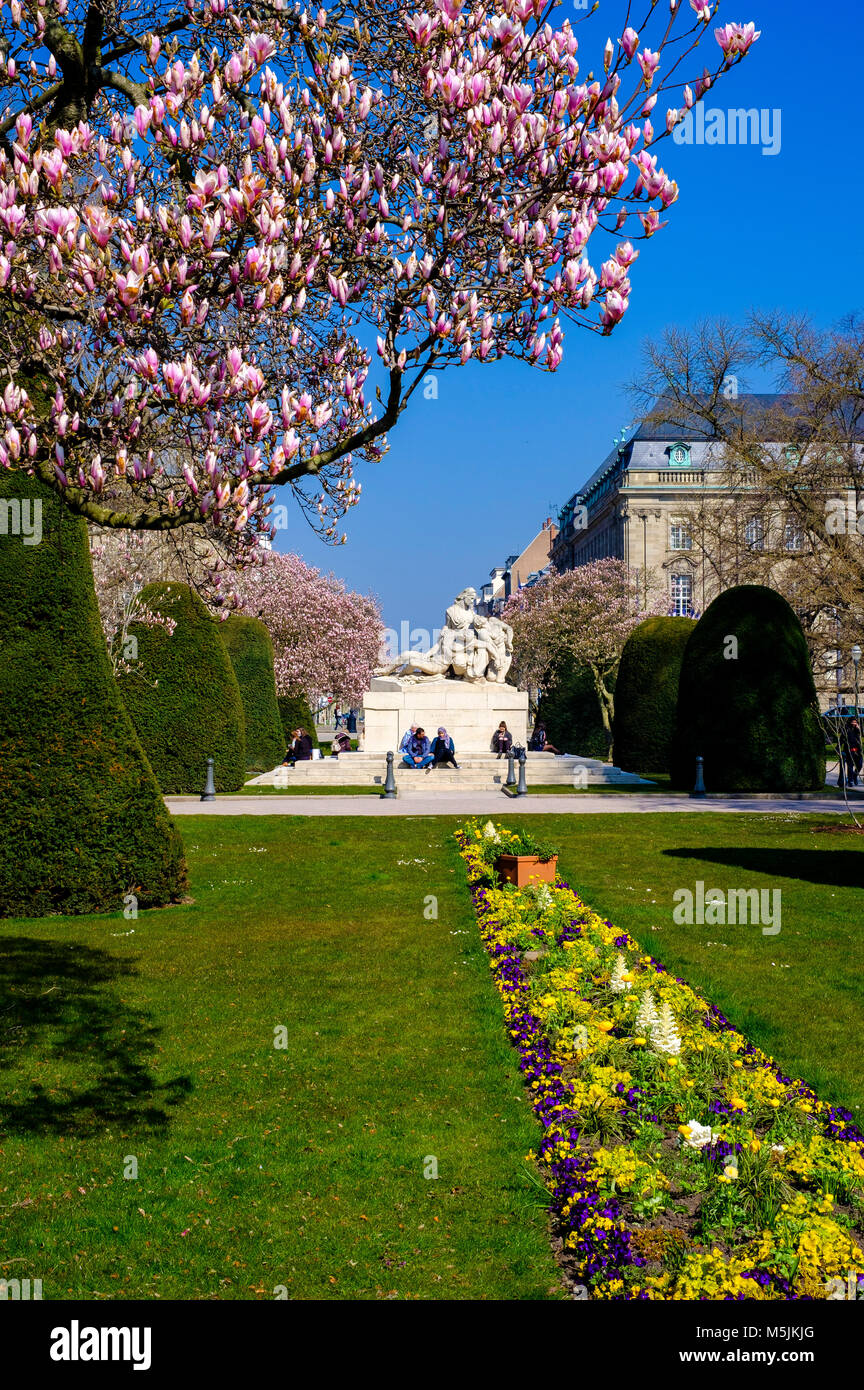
(504, 445)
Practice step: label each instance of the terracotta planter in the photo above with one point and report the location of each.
(524, 868)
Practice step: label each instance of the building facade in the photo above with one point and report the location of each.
(518, 571)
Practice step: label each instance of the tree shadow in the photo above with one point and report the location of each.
(837, 868)
(59, 1002)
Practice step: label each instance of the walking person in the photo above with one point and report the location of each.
(443, 750)
(852, 753)
(502, 740)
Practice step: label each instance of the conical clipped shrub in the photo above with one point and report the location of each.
(571, 713)
(183, 695)
(746, 699)
(646, 694)
(82, 821)
(295, 713)
(248, 644)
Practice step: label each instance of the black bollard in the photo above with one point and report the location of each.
(699, 788)
(389, 780)
(511, 769)
(522, 789)
(209, 793)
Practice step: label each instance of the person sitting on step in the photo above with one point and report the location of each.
(502, 740)
(418, 754)
(443, 749)
(538, 742)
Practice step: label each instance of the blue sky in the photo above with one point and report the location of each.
(470, 476)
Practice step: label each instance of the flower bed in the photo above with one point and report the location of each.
(681, 1162)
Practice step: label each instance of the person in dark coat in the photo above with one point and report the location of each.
(502, 740)
(852, 754)
(300, 750)
(538, 742)
(443, 750)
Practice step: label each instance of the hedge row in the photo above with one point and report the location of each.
(250, 648)
(183, 695)
(82, 821)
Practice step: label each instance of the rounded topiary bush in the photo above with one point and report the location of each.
(746, 699)
(571, 713)
(248, 644)
(82, 821)
(183, 695)
(295, 714)
(646, 694)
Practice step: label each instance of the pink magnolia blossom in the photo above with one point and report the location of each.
(326, 639)
(231, 217)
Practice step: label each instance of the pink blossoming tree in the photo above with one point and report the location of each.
(210, 210)
(326, 639)
(583, 616)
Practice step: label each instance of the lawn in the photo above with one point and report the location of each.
(799, 994)
(152, 1041)
(303, 1167)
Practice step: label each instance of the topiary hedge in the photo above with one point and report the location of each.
(183, 695)
(82, 821)
(746, 699)
(248, 644)
(646, 694)
(571, 713)
(296, 714)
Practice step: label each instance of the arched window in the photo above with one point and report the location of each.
(679, 456)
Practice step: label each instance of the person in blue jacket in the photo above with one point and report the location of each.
(418, 754)
(443, 750)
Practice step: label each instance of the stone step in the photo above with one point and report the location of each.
(476, 771)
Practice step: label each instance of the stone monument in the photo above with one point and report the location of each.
(460, 682)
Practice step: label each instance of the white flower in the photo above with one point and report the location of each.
(697, 1135)
(664, 1035)
(490, 832)
(618, 984)
(647, 1016)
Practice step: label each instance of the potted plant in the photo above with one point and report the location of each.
(525, 860)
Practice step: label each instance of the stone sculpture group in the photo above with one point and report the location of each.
(471, 647)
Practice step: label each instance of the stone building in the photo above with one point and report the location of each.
(518, 570)
(638, 507)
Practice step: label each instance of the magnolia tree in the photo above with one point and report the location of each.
(120, 571)
(583, 616)
(212, 210)
(326, 639)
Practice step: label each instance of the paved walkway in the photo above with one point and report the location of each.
(482, 803)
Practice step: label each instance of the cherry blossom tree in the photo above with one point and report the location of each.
(326, 639)
(211, 210)
(582, 616)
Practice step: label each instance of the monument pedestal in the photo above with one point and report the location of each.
(469, 711)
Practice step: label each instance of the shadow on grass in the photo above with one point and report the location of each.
(60, 1007)
(838, 868)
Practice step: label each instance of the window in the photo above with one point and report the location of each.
(682, 595)
(793, 456)
(793, 536)
(679, 455)
(754, 533)
(679, 537)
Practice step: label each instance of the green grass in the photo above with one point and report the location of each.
(153, 1039)
(303, 1167)
(800, 994)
